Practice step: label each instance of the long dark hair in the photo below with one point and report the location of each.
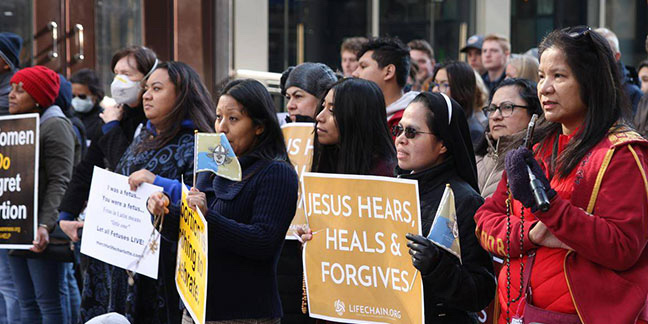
(591, 60)
(361, 120)
(463, 85)
(192, 102)
(258, 105)
(527, 90)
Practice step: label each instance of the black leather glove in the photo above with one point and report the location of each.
(515, 163)
(425, 254)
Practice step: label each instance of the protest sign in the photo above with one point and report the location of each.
(299, 139)
(357, 265)
(19, 145)
(191, 262)
(118, 228)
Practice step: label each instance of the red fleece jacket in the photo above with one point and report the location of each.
(607, 229)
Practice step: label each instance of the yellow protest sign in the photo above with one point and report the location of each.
(357, 265)
(299, 139)
(191, 262)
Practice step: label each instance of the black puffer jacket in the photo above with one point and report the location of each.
(454, 292)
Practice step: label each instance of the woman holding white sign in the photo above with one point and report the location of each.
(247, 220)
(433, 147)
(176, 103)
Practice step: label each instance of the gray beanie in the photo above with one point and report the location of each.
(314, 78)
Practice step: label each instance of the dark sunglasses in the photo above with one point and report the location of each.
(82, 96)
(410, 132)
(577, 32)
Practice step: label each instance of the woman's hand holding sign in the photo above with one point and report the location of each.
(138, 177)
(157, 204)
(303, 234)
(197, 200)
(42, 239)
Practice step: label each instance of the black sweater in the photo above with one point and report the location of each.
(454, 291)
(103, 152)
(247, 223)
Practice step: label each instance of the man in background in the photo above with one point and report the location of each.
(349, 54)
(473, 50)
(422, 54)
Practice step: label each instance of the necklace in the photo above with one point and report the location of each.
(152, 245)
(509, 301)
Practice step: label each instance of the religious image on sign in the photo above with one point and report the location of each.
(357, 266)
(445, 231)
(19, 148)
(215, 154)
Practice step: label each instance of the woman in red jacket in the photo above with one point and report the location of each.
(583, 259)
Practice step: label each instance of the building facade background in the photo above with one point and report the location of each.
(220, 37)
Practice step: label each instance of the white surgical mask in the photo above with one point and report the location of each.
(82, 105)
(126, 91)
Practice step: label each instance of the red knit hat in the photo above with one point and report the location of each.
(40, 82)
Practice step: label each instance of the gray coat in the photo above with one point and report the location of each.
(56, 160)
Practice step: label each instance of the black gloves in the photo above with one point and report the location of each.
(425, 254)
(518, 176)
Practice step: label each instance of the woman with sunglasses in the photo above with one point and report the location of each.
(457, 80)
(514, 102)
(88, 93)
(583, 258)
(433, 147)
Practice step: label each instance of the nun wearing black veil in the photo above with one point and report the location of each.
(433, 147)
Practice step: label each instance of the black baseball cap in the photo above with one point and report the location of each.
(474, 41)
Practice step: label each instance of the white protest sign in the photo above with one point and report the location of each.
(118, 226)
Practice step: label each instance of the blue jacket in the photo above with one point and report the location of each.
(247, 222)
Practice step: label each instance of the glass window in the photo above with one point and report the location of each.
(531, 20)
(627, 19)
(16, 17)
(435, 21)
(118, 24)
(324, 23)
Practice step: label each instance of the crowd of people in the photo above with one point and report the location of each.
(391, 110)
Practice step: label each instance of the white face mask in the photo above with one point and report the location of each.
(82, 105)
(126, 91)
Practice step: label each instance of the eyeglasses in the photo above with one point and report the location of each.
(443, 87)
(577, 32)
(410, 132)
(82, 96)
(505, 109)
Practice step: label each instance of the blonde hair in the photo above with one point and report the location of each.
(481, 95)
(526, 66)
(502, 40)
